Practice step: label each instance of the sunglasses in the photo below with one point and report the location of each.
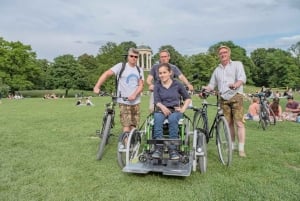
(134, 56)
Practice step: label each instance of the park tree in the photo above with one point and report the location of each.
(90, 71)
(203, 66)
(65, 73)
(295, 50)
(18, 67)
(275, 68)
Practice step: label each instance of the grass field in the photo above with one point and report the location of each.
(48, 150)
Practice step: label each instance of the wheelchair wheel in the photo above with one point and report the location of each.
(202, 151)
(131, 150)
(188, 131)
(200, 122)
(224, 143)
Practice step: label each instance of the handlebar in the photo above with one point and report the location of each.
(114, 98)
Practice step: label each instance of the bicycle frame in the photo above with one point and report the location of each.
(219, 125)
(265, 111)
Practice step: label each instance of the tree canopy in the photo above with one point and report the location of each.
(21, 70)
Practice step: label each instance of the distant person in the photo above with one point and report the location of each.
(276, 108)
(153, 77)
(253, 110)
(292, 109)
(88, 102)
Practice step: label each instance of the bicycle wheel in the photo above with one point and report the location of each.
(131, 150)
(263, 118)
(200, 122)
(105, 136)
(202, 152)
(224, 143)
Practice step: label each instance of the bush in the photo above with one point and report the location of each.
(58, 92)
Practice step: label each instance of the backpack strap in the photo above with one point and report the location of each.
(121, 72)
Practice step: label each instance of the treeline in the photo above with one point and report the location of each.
(21, 70)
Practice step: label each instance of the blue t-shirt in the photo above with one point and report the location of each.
(172, 96)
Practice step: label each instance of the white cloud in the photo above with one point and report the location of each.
(75, 27)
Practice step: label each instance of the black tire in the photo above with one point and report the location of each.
(200, 122)
(264, 118)
(202, 159)
(105, 136)
(132, 148)
(224, 143)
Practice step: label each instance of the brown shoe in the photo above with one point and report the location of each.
(242, 154)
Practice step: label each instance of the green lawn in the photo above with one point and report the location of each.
(48, 150)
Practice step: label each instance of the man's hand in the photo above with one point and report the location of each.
(96, 90)
(151, 87)
(191, 88)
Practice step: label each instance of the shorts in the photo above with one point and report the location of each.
(129, 115)
(233, 108)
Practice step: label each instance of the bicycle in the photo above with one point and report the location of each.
(265, 111)
(219, 126)
(108, 122)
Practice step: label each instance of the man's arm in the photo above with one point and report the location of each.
(137, 91)
(149, 82)
(101, 80)
(186, 82)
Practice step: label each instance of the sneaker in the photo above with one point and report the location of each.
(242, 154)
(174, 155)
(156, 154)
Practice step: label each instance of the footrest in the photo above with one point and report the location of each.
(167, 142)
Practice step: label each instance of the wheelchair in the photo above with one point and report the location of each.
(136, 157)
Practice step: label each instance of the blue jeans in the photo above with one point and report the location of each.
(173, 120)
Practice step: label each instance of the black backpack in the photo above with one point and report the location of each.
(121, 72)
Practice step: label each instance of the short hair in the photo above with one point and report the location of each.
(165, 65)
(255, 100)
(133, 50)
(276, 99)
(223, 46)
(165, 50)
(290, 97)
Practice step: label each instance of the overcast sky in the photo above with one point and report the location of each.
(57, 27)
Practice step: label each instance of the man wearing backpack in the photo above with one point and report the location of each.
(129, 85)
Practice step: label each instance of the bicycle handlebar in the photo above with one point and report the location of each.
(103, 93)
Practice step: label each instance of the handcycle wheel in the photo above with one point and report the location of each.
(105, 136)
(131, 149)
(200, 122)
(201, 159)
(224, 143)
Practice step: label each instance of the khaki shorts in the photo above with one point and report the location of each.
(129, 115)
(234, 108)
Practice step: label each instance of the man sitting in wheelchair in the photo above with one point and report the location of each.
(168, 95)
